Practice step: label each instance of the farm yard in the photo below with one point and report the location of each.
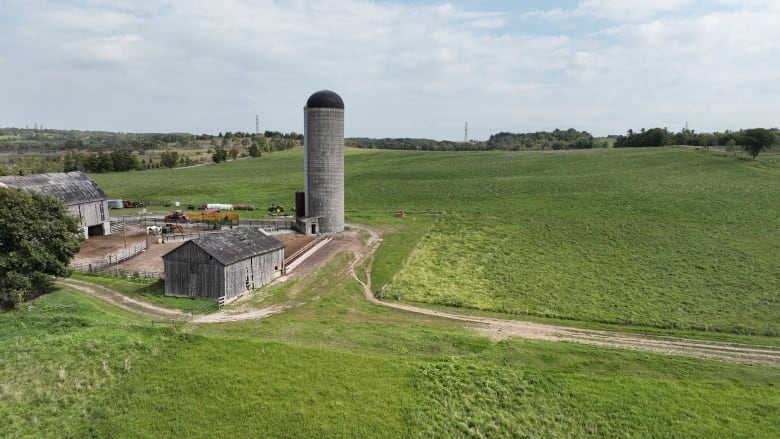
(100, 248)
(658, 241)
(658, 238)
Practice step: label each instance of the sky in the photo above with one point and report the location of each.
(403, 68)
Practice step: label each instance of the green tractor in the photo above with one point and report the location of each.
(276, 210)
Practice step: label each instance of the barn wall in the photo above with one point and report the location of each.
(253, 273)
(191, 272)
(236, 275)
(92, 214)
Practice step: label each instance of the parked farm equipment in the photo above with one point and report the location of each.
(213, 215)
(131, 204)
(277, 210)
(177, 216)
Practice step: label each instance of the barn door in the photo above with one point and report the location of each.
(250, 275)
(192, 281)
(192, 287)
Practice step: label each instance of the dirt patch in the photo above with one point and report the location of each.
(137, 306)
(293, 241)
(149, 261)
(97, 248)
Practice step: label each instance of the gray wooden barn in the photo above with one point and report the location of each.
(82, 195)
(228, 264)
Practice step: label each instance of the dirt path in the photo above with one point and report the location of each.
(119, 300)
(228, 316)
(499, 328)
(495, 328)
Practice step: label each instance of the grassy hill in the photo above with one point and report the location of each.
(657, 237)
(662, 236)
(337, 366)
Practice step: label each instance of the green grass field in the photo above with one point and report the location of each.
(335, 366)
(669, 240)
(658, 237)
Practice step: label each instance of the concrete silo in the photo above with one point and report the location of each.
(323, 162)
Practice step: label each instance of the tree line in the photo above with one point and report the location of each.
(753, 140)
(540, 140)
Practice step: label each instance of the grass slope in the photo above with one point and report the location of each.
(654, 237)
(335, 366)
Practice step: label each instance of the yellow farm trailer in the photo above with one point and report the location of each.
(212, 215)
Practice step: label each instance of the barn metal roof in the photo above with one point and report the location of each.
(71, 187)
(236, 245)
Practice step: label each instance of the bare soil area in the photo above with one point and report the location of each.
(97, 248)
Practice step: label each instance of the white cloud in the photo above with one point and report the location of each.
(404, 70)
(630, 9)
(116, 49)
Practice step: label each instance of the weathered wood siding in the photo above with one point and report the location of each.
(253, 273)
(90, 214)
(191, 272)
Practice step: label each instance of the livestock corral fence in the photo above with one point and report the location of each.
(109, 260)
(114, 271)
(266, 224)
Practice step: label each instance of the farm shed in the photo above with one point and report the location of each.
(82, 195)
(225, 264)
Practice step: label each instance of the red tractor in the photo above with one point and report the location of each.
(177, 216)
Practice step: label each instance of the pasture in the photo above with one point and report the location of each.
(661, 238)
(494, 232)
(336, 366)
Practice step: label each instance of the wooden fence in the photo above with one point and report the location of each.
(267, 224)
(113, 271)
(110, 260)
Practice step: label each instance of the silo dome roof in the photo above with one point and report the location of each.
(325, 99)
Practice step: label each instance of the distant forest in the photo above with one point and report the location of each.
(45, 150)
(26, 151)
(662, 137)
(541, 140)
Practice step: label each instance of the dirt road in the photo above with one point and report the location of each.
(137, 306)
(499, 328)
(495, 328)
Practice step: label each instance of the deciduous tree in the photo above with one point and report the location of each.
(756, 140)
(34, 246)
(168, 158)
